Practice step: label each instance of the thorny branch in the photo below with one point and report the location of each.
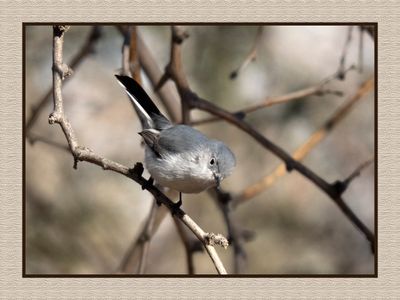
(192, 101)
(80, 153)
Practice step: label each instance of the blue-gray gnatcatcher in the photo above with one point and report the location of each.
(177, 156)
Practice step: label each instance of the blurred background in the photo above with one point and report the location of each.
(84, 221)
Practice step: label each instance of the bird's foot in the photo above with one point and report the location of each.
(176, 206)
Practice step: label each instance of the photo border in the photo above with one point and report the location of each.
(13, 285)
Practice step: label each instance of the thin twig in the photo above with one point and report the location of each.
(38, 138)
(361, 49)
(191, 246)
(147, 236)
(134, 56)
(343, 185)
(136, 253)
(235, 236)
(342, 63)
(86, 50)
(301, 152)
(126, 45)
(251, 56)
(316, 90)
(167, 94)
(178, 35)
(60, 70)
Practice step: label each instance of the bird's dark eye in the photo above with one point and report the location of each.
(212, 161)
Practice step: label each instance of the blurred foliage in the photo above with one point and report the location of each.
(83, 221)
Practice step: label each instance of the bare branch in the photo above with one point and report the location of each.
(317, 90)
(146, 243)
(174, 69)
(235, 236)
(208, 240)
(342, 63)
(134, 56)
(85, 154)
(361, 49)
(301, 152)
(86, 50)
(33, 138)
(357, 171)
(191, 246)
(251, 56)
(343, 185)
(167, 95)
(137, 251)
(126, 70)
(193, 101)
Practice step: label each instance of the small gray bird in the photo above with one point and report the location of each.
(177, 156)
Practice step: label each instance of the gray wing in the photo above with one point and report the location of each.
(180, 138)
(151, 138)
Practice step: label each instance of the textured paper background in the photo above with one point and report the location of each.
(14, 13)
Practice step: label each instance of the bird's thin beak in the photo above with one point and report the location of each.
(217, 180)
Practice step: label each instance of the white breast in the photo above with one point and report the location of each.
(179, 173)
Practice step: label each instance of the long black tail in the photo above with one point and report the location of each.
(136, 92)
(149, 115)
